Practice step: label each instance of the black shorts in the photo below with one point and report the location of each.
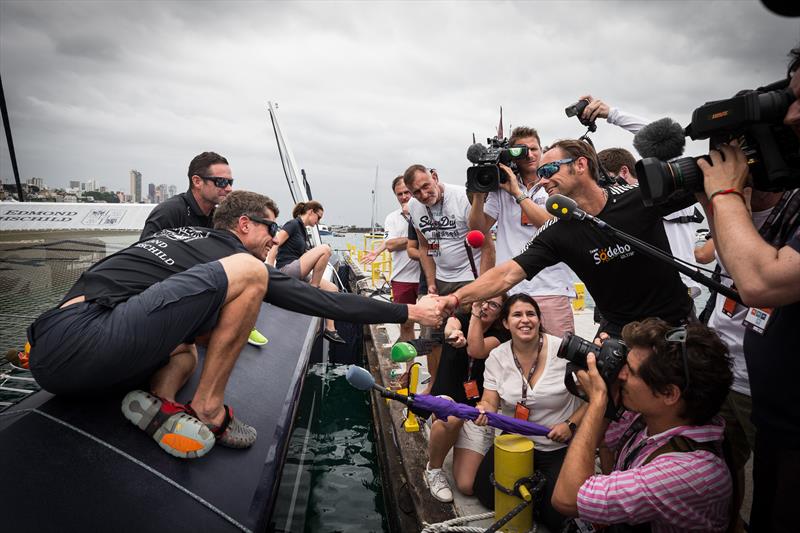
(90, 348)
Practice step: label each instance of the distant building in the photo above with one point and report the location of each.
(90, 185)
(36, 182)
(162, 192)
(136, 186)
(173, 190)
(74, 185)
(151, 193)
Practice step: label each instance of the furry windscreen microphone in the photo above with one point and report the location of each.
(359, 378)
(475, 152)
(475, 238)
(663, 139)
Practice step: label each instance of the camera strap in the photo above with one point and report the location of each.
(696, 217)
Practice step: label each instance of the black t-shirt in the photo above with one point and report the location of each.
(454, 364)
(177, 212)
(296, 243)
(773, 364)
(626, 284)
(132, 270)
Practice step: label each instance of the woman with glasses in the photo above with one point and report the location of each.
(292, 255)
(525, 379)
(469, 337)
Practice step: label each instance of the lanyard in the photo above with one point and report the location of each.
(469, 368)
(435, 236)
(764, 231)
(526, 382)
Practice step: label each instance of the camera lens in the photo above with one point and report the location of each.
(575, 349)
(659, 179)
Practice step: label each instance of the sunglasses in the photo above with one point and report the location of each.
(219, 182)
(548, 169)
(678, 336)
(272, 226)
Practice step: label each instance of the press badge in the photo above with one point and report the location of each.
(522, 411)
(471, 389)
(524, 219)
(729, 307)
(757, 319)
(433, 249)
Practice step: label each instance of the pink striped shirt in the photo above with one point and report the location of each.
(680, 491)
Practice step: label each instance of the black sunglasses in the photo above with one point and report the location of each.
(272, 226)
(678, 336)
(218, 181)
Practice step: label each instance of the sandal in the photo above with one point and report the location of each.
(232, 433)
(170, 424)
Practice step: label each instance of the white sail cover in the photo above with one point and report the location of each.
(46, 216)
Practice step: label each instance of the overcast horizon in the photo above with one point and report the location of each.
(95, 89)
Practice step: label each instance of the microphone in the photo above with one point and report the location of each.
(402, 352)
(363, 380)
(565, 208)
(475, 238)
(663, 139)
(476, 152)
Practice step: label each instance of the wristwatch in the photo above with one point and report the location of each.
(571, 425)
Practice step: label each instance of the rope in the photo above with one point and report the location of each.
(454, 524)
(136, 461)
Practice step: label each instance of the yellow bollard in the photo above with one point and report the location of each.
(513, 459)
(580, 297)
(412, 424)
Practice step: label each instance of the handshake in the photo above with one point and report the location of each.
(432, 310)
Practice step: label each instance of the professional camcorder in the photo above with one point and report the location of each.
(755, 119)
(576, 110)
(485, 174)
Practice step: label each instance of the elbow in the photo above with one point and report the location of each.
(563, 504)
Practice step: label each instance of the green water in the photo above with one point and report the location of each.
(330, 479)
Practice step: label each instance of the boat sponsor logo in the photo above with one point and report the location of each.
(38, 215)
(609, 253)
(181, 234)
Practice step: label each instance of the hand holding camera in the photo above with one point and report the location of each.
(727, 170)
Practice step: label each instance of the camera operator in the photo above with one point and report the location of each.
(668, 473)
(625, 284)
(519, 212)
(766, 272)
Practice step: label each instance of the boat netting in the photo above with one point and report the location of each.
(36, 271)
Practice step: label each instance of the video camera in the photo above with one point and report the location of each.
(485, 174)
(755, 119)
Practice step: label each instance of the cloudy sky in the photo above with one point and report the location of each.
(95, 89)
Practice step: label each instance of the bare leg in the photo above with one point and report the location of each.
(169, 379)
(316, 259)
(326, 285)
(247, 284)
(443, 437)
(433, 366)
(465, 467)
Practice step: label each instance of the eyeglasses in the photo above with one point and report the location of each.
(218, 181)
(319, 215)
(272, 226)
(678, 336)
(548, 169)
(494, 306)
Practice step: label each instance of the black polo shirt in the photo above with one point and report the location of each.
(177, 212)
(132, 270)
(296, 243)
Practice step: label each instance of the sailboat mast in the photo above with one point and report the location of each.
(374, 202)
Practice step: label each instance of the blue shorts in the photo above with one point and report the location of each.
(87, 348)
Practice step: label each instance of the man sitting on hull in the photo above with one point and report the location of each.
(134, 317)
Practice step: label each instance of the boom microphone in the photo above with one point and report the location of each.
(475, 238)
(363, 380)
(476, 152)
(565, 208)
(663, 139)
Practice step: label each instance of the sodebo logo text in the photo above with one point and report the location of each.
(604, 255)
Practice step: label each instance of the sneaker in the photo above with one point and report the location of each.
(256, 338)
(232, 433)
(437, 483)
(170, 424)
(333, 336)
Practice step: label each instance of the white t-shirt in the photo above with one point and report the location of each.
(512, 237)
(404, 268)
(447, 227)
(549, 401)
(730, 329)
(681, 237)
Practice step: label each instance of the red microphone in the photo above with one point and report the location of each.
(475, 238)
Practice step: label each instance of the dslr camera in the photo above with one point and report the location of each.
(485, 174)
(576, 109)
(755, 119)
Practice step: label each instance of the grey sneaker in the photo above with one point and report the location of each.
(437, 483)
